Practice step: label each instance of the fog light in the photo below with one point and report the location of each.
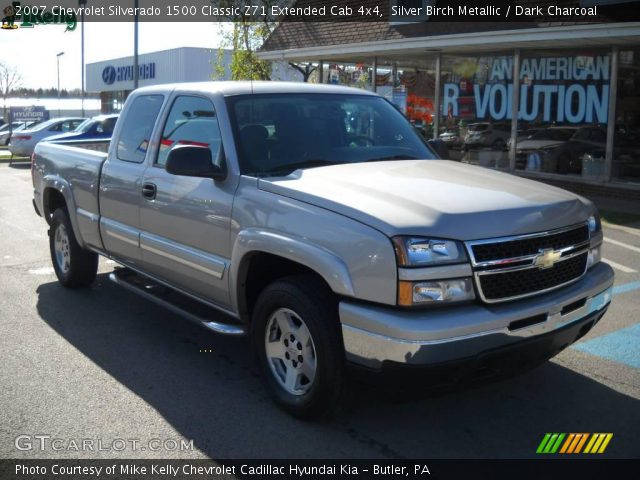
(440, 291)
(595, 255)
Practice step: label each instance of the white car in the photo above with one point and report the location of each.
(23, 142)
(6, 132)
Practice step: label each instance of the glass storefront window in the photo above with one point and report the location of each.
(563, 110)
(411, 87)
(475, 112)
(349, 74)
(626, 144)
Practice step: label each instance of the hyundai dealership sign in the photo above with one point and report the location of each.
(112, 74)
(28, 114)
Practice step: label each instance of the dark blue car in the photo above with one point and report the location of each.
(100, 127)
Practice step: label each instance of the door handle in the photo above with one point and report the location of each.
(149, 190)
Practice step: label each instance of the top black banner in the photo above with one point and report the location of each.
(29, 13)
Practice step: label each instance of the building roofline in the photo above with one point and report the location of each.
(156, 52)
(590, 35)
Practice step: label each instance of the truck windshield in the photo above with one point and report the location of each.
(85, 126)
(279, 133)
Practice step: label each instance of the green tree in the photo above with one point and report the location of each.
(244, 34)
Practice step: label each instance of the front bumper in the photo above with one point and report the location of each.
(374, 335)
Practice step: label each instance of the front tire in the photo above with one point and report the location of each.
(74, 266)
(296, 335)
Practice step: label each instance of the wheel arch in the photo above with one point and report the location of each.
(57, 194)
(260, 257)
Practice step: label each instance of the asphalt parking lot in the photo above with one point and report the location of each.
(103, 364)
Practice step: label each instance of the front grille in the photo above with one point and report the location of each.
(486, 252)
(518, 283)
(514, 267)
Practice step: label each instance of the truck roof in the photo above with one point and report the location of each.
(228, 88)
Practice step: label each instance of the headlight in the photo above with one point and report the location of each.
(424, 252)
(595, 232)
(594, 224)
(435, 292)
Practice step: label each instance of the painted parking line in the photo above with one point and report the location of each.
(620, 267)
(620, 346)
(622, 228)
(622, 244)
(626, 287)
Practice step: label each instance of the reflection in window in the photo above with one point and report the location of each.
(138, 126)
(475, 115)
(564, 100)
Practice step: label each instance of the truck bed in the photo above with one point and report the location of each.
(77, 171)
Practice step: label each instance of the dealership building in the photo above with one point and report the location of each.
(558, 102)
(113, 79)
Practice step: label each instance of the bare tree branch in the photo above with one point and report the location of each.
(10, 79)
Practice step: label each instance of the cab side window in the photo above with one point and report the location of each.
(135, 134)
(191, 121)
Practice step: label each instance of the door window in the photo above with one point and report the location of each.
(191, 121)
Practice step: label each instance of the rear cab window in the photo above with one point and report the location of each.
(136, 131)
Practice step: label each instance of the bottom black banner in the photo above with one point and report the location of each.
(543, 469)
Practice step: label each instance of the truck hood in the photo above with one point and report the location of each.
(433, 197)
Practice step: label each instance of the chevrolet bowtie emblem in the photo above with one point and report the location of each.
(547, 258)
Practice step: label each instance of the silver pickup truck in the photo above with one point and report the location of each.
(316, 220)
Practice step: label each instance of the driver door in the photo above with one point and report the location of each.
(185, 221)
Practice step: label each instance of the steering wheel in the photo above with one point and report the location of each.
(363, 141)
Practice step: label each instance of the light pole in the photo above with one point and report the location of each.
(82, 4)
(58, 55)
(135, 46)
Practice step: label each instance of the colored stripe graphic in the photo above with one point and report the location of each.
(550, 443)
(567, 443)
(543, 443)
(574, 443)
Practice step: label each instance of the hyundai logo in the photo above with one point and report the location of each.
(109, 75)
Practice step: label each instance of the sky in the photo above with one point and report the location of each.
(33, 51)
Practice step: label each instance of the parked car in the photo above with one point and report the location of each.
(523, 135)
(560, 149)
(538, 152)
(7, 130)
(484, 134)
(252, 209)
(452, 138)
(23, 143)
(94, 128)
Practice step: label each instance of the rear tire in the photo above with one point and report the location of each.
(296, 335)
(75, 267)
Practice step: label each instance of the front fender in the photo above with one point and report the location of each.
(322, 261)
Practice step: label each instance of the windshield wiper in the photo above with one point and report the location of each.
(287, 169)
(392, 157)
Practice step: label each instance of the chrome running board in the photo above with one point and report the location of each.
(174, 301)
